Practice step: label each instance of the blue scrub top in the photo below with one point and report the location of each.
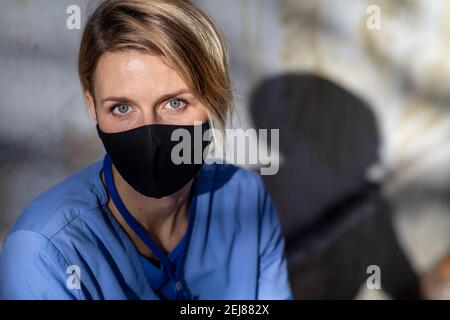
(158, 277)
(67, 245)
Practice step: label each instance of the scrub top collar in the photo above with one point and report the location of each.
(175, 272)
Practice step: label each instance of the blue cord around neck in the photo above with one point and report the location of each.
(174, 272)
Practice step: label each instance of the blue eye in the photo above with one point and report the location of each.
(176, 104)
(121, 109)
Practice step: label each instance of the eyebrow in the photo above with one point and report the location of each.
(160, 99)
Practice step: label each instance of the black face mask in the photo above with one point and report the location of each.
(143, 157)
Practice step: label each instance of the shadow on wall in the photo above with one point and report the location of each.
(335, 221)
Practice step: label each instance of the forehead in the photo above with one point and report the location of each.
(130, 72)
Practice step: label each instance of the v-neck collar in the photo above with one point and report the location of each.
(157, 275)
(135, 256)
(172, 255)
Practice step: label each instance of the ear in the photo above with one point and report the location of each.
(91, 104)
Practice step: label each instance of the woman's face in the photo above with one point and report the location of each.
(133, 89)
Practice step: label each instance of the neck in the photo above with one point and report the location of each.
(164, 219)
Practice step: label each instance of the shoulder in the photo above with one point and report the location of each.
(31, 267)
(64, 202)
(228, 176)
(233, 189)
(23, 249)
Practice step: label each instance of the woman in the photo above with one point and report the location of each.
(138, 225)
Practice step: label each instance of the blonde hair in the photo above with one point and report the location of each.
(175, 29)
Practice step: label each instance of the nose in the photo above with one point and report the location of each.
(149, 116)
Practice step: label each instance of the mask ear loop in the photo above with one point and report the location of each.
(215, 139)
